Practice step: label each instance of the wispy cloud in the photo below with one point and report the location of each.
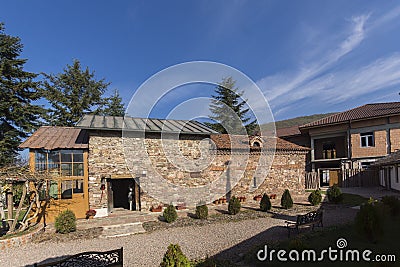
(320, 80)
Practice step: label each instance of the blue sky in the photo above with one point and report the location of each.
(306, 56)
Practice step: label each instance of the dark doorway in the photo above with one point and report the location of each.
(120, 189)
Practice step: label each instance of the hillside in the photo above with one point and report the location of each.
(297, 121)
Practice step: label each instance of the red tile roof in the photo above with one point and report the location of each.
(288, 131)
(223, 141)
(359, 113)
(51, 137)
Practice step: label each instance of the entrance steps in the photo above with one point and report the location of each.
(119, 230)
(120, 222)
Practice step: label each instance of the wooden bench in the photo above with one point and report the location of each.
(312, 219)
(106, 258)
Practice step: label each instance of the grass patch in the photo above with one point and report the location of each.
(323, 239)
(352, 200)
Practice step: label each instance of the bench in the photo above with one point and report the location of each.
(312, 219)
(106, 258)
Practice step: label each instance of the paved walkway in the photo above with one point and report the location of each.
(374, 192)
(227, 240)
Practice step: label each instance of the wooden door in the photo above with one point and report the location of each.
(110, 196)
(333, 177)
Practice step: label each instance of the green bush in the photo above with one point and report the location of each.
(334, 194)
(265, 203)
(202, 211)
(286, 200)
(170, 214)
(368, 221)
(315, 197)
(65, 222)
(174, 257)
(234, 206)
(393, 203)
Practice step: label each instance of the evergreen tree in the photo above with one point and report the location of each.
(226, 105)
(18, 116)
(72, 94)
(114, 106)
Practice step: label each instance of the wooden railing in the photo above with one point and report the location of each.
(359, 178)
(312, 180)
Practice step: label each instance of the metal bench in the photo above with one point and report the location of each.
(106, 258)
(312, 219)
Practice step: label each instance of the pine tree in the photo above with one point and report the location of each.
(225, 104)
(18, 116)
(114, 106)
(72, 94)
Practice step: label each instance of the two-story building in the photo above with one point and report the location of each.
(352, 139)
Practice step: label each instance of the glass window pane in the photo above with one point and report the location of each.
(40, 161)
(66, 169)
(78, 169)
(78, 157)
(363, 141)
(66, 157)
(78, 186)
(53, 189)
(66, 189)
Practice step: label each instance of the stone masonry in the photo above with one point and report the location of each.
(188, 161)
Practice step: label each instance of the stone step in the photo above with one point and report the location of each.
(125, 229)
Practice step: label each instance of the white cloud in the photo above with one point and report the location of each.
(321, 81)
(281, 84)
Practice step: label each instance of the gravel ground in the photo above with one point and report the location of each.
(228, 240)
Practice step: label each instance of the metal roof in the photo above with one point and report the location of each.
(95, 122)
(359, 113)
(55, 137)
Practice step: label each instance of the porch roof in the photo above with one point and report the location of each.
(95, 122)
(56, 137)
(388, 160)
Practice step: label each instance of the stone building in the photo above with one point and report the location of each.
(104, 162)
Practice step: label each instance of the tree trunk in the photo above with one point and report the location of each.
(10, 202)
(21, 202)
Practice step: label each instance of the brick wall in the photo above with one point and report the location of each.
(379, 149)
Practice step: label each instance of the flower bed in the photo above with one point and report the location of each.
(21, 239)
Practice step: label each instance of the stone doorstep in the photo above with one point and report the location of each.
(119, 230)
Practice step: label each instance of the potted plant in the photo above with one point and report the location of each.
(90, 213)
(156, 209)
(258, 198)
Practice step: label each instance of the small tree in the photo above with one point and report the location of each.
(286, 200)
(234, 206)
(114, 106)
(174, 257)
(315, 197)
(265, 203)
(334, 194)
(368, 221)
(170, 214)
(202, 211)
(65, 222)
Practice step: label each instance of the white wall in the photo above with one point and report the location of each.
(395, 184)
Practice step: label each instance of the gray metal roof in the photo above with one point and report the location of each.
(95, 122)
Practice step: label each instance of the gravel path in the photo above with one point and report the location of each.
(227, 240)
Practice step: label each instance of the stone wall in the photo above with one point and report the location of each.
(190, 162)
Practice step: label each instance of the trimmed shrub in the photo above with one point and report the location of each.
(334, 194)
(286, 200)
(234, 206)
(174, 257)
(65, 222)
(368, 221)
(170, 214)
(315, 197)
(202, 211)
(393, 203)
(265, 203)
